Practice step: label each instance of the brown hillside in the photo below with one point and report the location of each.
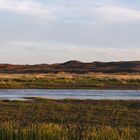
(74, 67)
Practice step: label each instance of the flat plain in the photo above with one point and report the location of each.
(47, 119)
(70, 81)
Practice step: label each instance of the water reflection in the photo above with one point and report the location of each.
(19, 94)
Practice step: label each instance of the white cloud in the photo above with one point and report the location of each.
(27, 7)
(21, 52)
(83, 31)
(102, 13)
(114, 13)
(74, 11)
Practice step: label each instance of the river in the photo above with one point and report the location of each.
(20, 94)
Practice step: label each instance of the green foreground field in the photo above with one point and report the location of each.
(70, 81)
(46, 119)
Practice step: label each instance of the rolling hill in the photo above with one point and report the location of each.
(74, 67)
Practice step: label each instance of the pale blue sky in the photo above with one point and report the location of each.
(50, 31)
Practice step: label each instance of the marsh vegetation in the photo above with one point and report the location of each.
(70, 81)
(11, 131)
(47, 119)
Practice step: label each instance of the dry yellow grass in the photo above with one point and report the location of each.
(126, 76)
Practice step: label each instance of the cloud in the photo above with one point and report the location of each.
(26, 7)
(74, 11)
(115, 13)
(85, 30)
(32, 52)
(107, 13)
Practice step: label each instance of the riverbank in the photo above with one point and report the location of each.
(110, 118)
(70, 81)
(95, 112)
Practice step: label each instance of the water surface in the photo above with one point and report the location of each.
(19, 94)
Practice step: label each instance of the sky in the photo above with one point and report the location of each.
(55, 31)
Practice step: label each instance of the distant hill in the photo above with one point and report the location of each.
(74, 67)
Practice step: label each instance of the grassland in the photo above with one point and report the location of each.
(9, 131)
(70, 81)
(46, 119)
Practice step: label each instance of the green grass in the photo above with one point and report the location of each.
(68, 111)
(69, 119)
(76, 82)
(11, 131)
